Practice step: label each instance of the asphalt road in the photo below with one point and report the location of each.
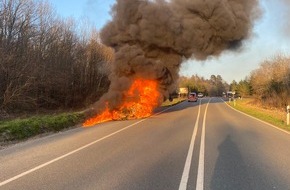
(188, 146)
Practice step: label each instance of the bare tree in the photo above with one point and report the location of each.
(271, 82)
(45, 63)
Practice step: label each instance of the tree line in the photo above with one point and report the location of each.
(269, 84)
(215, 86)
(47, 62)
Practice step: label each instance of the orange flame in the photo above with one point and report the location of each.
(139, 102)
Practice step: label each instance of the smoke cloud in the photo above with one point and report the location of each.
(286, 8)
(151, 38)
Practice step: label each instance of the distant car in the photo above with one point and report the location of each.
(200, 95)
(192, 97)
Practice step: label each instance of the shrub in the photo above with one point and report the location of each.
(24, 128)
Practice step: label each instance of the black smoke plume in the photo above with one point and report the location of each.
(151, 38)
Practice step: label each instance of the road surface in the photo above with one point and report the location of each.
(193, 145)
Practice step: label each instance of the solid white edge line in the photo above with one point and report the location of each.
(75, 151)
(185, 174)
(269, 124)
(200, 171)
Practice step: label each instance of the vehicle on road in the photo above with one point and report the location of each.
(192, 97)
(200, 95)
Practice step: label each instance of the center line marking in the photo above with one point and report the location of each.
(185, 174)
(200, 172)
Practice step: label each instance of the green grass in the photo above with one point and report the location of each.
(274, 117)
(174, 102)
(20, 129)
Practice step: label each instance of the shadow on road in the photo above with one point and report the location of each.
(230, 170)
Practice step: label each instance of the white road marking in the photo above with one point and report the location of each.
(185, 174)
(200, 171)
(74, 151)
(269, 124)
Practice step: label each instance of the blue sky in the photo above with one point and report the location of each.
(270, 37)
(96, 11)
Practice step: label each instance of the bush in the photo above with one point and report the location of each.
(271, 82)
(25, 128)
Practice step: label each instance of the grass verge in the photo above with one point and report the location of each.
(274, 117)
(172, 103)
(20, 129)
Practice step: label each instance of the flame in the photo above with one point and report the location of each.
(139, 102)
